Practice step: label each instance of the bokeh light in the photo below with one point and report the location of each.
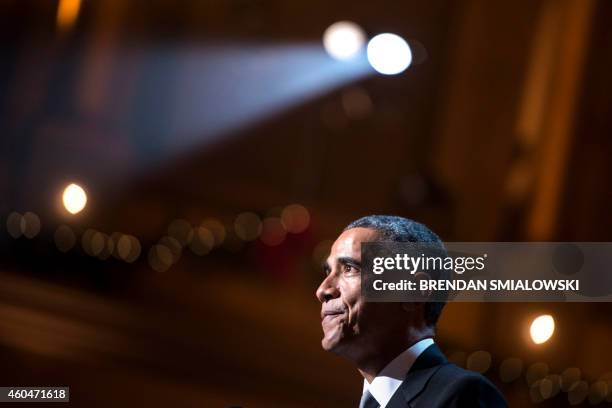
(569, 377)
(15, 224)
(578, 392)
(542, 329)
(174, 246)
(552, 384)
(479, 361)
(356, 103)
(134, 248)
(389, 54)
(64, 238)
(295, 218)
(107, 247)
(598, 392)
(86, 239)
(160, 258)
(536, 372)
(181, 230)
(30, 224)
(546, 387)
(203, 241)
(216, 227)
(74, 198)
(535, 393)
(116, 238)
(97, 244)
(247, 226)
(343, 40)
(607, 378)
(124, 247)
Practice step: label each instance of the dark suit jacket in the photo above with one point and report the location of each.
(434, 382)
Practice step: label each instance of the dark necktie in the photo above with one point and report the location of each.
(368, 401)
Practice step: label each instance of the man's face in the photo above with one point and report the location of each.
(346, 318)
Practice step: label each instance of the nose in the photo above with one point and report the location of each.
(328, 289)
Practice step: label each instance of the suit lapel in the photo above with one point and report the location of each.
(421, 371)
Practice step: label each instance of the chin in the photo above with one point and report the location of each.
(338, 340)
(332, 343)
(335, 345)
(328, 345)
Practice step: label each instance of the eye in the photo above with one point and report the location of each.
(348, 268)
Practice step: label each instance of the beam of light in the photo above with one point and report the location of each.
(343, 40)
(170, 100)
(542, 329)
(67, 13)
(219, 90)
(389, 54)
(74, 198)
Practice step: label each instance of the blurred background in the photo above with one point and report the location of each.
(173, 173)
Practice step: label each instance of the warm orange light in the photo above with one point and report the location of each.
(542, 329)
(295, 218)
(67, 13)
(74, 198)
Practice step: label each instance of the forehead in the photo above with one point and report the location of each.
(349, 242)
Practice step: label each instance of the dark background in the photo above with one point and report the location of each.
(502, 133)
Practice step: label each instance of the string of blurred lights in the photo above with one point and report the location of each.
(543, 385)
(211, 233)
(200, 239)
(27, 225)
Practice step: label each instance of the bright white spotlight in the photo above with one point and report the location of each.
(343, 40)
(74, 198)
(542, 329)
(389, 54)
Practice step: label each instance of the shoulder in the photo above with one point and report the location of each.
(454, 373)
(459, 387)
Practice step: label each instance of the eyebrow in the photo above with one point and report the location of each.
(347, 260)
(343, 260)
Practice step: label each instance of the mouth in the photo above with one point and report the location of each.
(331, 314)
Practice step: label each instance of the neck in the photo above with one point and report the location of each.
(370, 364)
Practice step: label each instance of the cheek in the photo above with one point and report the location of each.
(351, 297)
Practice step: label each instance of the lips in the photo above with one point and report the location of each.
(331, 313)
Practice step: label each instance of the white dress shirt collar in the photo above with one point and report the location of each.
(391, 377)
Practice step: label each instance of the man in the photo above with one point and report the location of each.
(392, 343)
